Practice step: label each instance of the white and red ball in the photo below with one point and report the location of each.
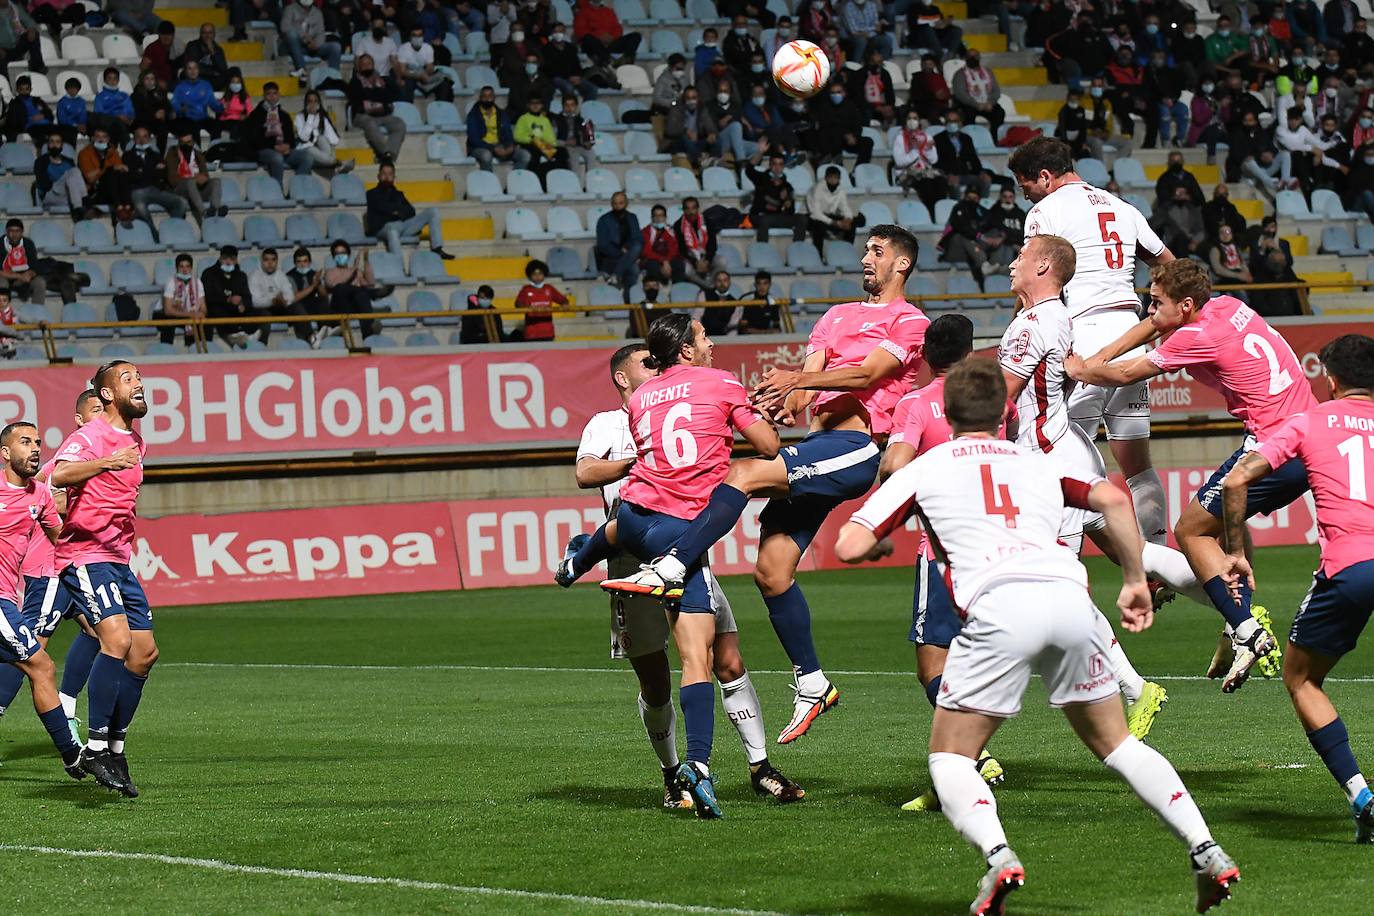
(800, 69)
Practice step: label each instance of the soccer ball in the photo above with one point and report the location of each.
(800, 69)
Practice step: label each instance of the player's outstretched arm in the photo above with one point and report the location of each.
(777, 383)
(1111, 375)
(857, 544)
(73, 473)
(597, 472)
(1138, 336)
(1235, 492)
(763, 437)
(1123, 533)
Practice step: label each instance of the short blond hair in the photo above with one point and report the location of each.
(1059, 252)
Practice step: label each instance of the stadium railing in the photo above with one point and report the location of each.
(203, 329)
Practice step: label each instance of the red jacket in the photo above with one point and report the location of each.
(596, 20)
(539, 303)
(665, 249)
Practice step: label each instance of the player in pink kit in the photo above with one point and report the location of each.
(1229, 348)
(27, 512)
(1335, 443)
(101, 465)
(861, 359)
(683, 422)
(993, 510)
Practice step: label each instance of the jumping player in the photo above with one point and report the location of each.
(1335, 443)
(1107, 235)
(1027, 609)
(683, 421)
(101, 465)
(28, 512)
(861, 358)
(639, 627)
(1231, 349)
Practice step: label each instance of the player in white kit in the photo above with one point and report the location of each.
(1108, 235)
(639, 625)
(1027, 610)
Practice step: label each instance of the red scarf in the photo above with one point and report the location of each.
(187, 166)
(694, 236)
(1230, 255)
(16, 259)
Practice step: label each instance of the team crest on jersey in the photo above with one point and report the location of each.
(1016, 350)
(33, 512)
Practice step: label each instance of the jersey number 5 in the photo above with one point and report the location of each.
(1115, 259)
(997, 498)
(678, 444)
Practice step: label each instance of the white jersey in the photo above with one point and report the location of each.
(1104, 231)
(1010, 534)
(1033, 348)
(607, 436)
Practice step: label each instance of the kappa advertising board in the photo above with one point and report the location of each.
(419, 547)
(509, 397)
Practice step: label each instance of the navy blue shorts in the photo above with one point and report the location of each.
(107, 589)
(46, 604)
(825, 469)
(1335, 611)
(934, 621)
(1283, 485)
(17, 640)
(649, 535)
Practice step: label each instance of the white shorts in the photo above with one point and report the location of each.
(1125, 410)
(1022, 627)
(1079, 458)
(639, 625)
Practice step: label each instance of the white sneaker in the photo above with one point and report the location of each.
(300, 73)
(1215, 873)
(1004, 875)
(239, 339)
(807, 708)
(648, 581)
(1248, 653)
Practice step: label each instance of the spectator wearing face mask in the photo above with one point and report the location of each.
(317, 136)
(839, 127)
(762, 119)
(1359, 195)
(1226, 260)
(829, 213)
(532, 84)
(227, 296)
(501, 19)
(1331, 157)
(113, 109)
(600, 35)
(188, 178)
(538, 298)
(1209, 115)
(928, 29)
(416, 71)
(706, 53)
(1178, 221)
(619, 244)
(561, 64)
(271, 133)
(774, 203)
(391, 217)
(1255, 156)
(958, 159)
(1074, 128)
(307, 296)
(725, 110)
(752, 10)
(1189, 53)
(722, 320)
(474, 329)
(513, 56)
(1275, 267)
(1175, 176)
(871, 88)
(1301, 144)
(1164, 86)
(378, 45)
(691, 131)
(182, 297)
(651, 292)
(1219, 211)
(350, 284)
(209, 55)
(107, 177)
(1357, 50)
(534, 134)
(238, 105)
(915, 163)
(1306, 25)
(1226, 48)
(757, 74)
(861, 24)
(60, 183)
(372, 98)
(670, 85)
(273, 294)
(1335, 99)
(834, 50)
(1009, 218)
(660, 256)
(148, 180)
(194, 103)
(764, 318)
(976, 92)
(740, 47)
(930, 94)
(303, 32)
(959, 241)
(1362, 134)
(782, 34)
(576, 137)
(696, 242)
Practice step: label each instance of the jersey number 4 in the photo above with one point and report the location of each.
(1115, 259)
(997, 498)
(679, 446)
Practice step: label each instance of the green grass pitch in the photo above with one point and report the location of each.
(435, 742)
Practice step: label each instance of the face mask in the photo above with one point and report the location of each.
(741, 32)
(757, 68)
(952, 129)
(186, 149)
(1367, 123)
(341, 259)
(723, 98)
(517, 37)
(973, 62)
(55, 153)
(690, 105)
(183, 277)
(1008, 205)
(1208, 87)
(1175, 166)
(1095, 92)
(1188, 34)
(100, 147)
(143, 147)
(307, 3)
(837, 97)
(660, 225)
(538, 285)
(784, 33)
(560, 37)
(1151, 29)
(831, 41)
(759, 101)
(1224, 33)
(1331, 92)
(378, 34)
(913, 125)
(109, 88)
(416, 43)
(709, 44)
(531, 69)
(1312, 63)
(651, 294)
(798, 105)
(1073, 103)
(236, 87)
(483, 303)
(227, 268)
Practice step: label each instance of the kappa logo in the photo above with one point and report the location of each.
(147, 564)
(790, 450)
(982, 801)
(1176, 796)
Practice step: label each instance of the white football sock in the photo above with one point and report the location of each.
(1154, 779)
(812, 684)
(1130, 680)
(741, 702)
(1173, 569)
(68, 705)
(116, 746)
(1354, 786)
(660, 723)
(967, 801)
(1147, 493)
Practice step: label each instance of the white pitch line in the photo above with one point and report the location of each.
(403, 883)
(305, 666)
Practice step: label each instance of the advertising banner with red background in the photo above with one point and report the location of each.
(417, 547)
(208, 410)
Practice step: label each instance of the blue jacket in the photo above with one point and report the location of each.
(608, 245)
(754, 117)
(71, 111)
(48, 173)
(115, 103)
(477, 129)
(194, 98)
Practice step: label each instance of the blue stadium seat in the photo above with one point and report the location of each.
(80, 312)
(1130, 174)
(424, 300)
(1337, 240)
(346, 226)
(33, 313)
(941, 214)
(264, 191)
(117, 350)
(567, 263)
(389, 269)
(231, 195)
(604, 294)
(50, 237)
(218, 231)
(484, 186)
(443, 115)
(261, 231)
(565, 223)
(522, 184)
(112, 314)
(179, 234)
(347, 189)
(641, 147)
(763, 256)
(923, 286)
(158, 348)
(841, 255)
(304, 229)
(17, 158)
(1093, 171)
(961, 285)
(97, 273)
(380, 342)
(678, 181)
(872, 179)
(308, 190)
(602, 183)
(15, 198)
(914, 215)
(427, 266)
(928, 259)
(136, 237)
(94, 237)
(1364, 237)
(803, 256)
(999, 283)
(443, 149)
(289, 342)
(421, 339)
(641, 183)
(132, 277)
(729, 257)
(564, 184)
(845, 288)
(875, 213)
(719, 181)
(411, 115)
(523, 223)
(801, 178)
(599, 113)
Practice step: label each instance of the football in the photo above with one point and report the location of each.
(800, 69)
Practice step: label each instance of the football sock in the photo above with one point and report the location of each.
(76, 670)
(967, 801)
(1332, 744)
(1130, 680)
(933, 689)
(713, 523)
(741, 704)
(1220, 595)
(660, 724)
(61, 735)
(597, 549)
(698, 713)
(107, 674)
(130, 694)
(791, 619)
(1154, 779)
(68, 705)
(1147, 494)
(11, 679)
(1172, 568)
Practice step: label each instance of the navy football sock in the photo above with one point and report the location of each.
(933, 689)
(1217, 590)
(698, 714)
(1332, 744)
(715, 521)
(1246, 594)
(11, 679)
(791, 619)
(130, 693)
(107, 675)
(593, 552)
(56, 724)
(76, 670)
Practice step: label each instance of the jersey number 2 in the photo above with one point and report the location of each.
(997, 498)
(1279, 377)
(678, 444)
(1115, 259)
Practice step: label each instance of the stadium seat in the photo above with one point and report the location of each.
(928, 259)
(566, 224)
(941, 215)
(567, 263)
(428, 267)
(94, 237)
(666, 42)
(39, 83)
(17, 158)
(308, 190)
(1093, 171)
(1327, 203)
(73, 351)
(289, 342)
(875, 213)
(841, 255)
(264, 191)
(81, 313)
(443, 149)
(594, 213)
(763, 256)
(421, 339)
(845, 288)
(443, 115)
(523, 223)
(14, 197)
(563, 184)
(923, 286)
(803, 256)
(380, 342)
(98, 286)
(999, 283)
(728, 257)
(411, 116)
(131, 276)
(982, 138)
(179, 234)
(304, 229)
(158, 348)
(347, 189)
(962, 285)
(119, 48)
(346, 226)
(801, 178)
(641, 146)
(81, 51)
(136, 237)
(33, 313)
(679, 181)
(641, 183)
(86, 92)
(1141, 203)
(720, 181)
(633, 78)
(1364, 237)
(914, 215)
(1293, 205)
(261, 231)
(607, 148)
(1130, 174)
(872, 179)
(50, 237)
(424, 300)
(523, 184)
(484, 186)
(1337, 240)
(604, 294)
(218, 231)
(389, 269)
(599, 113)
(703, 12)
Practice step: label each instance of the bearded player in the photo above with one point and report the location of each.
(861, 358)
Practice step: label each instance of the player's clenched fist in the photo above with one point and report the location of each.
(122, 459)
(1136, 606)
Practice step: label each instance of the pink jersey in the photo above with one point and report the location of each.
(848, 333)
(24, 513)
(683, 422)
(40, 560)
(1335, 440)
(100, 512)
(1235, 352)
